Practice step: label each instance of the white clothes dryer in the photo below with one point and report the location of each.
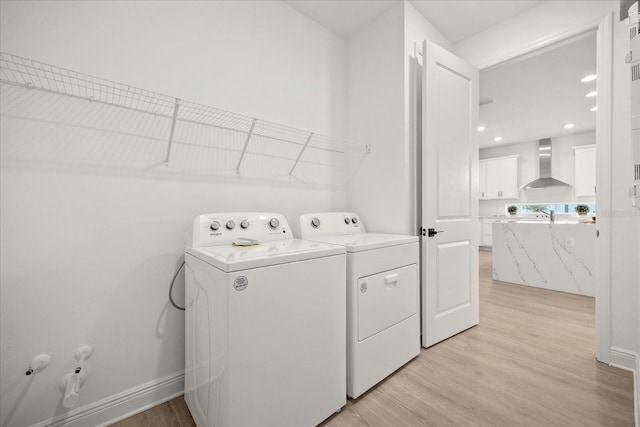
(265, 324)
(383, 316)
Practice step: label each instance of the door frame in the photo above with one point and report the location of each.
(604, 129)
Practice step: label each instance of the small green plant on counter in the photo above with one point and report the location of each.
(513, 209)
(582, 209)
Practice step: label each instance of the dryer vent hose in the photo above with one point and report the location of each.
(173, 282)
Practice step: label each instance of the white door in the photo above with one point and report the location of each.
(449, 195)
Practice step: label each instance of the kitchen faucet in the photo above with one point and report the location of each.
(551, 213)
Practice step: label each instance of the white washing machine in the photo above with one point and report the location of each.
(383, 317)
(265, 324)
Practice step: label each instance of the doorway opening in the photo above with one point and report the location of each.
(599, 35)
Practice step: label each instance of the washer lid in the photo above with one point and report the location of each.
(231, 258)
(367, 241)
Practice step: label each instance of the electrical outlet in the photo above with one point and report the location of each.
(569, 241)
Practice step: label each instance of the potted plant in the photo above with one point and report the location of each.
(582, 210)
(513, 209)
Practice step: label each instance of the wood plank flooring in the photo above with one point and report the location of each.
(530, 362)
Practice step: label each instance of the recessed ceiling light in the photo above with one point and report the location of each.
(592, 93)
(594, 109)
(481, 128)
(589, 78)
(569, 125)
(497, 139)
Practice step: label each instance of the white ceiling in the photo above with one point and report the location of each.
(460, 19)
(536, 95)
(344, 17)
(455, 19)
(533, 99)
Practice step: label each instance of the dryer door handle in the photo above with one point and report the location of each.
(391, 280)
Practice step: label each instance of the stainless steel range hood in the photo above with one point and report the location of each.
(544, 157)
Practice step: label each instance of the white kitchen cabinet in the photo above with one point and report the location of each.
(486, 230)
(499, 178)
(585, 171)
(483, 179)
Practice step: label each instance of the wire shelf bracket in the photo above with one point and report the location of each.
(246, 143)
(304, 147)
(173, 129)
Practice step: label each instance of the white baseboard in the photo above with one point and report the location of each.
(121, 405)
(623, 358)
(630, 361)
(636, 377)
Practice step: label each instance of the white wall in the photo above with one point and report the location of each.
(263, 59)
(542, 23)
(416, 30)
(380, 113)
(88, 254)
(528, 170)
(375, 115)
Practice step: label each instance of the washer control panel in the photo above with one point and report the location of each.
(330, 223)
(225, 228)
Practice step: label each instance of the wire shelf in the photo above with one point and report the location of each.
(53, 114)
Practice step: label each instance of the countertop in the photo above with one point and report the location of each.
(563, 220)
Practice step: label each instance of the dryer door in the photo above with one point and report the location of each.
(385, 299)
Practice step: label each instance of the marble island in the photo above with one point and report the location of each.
(558, 256)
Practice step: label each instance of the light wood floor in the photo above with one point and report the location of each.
(530, 362)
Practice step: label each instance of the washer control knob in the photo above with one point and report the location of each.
(347, 221)
(244, 224)
(274, 223)
(215, 225)
(315, 222)
(354, 220)
(230, 225)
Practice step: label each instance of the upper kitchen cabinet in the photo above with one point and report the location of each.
(499, 178)
(585, 171)
(482, 170)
